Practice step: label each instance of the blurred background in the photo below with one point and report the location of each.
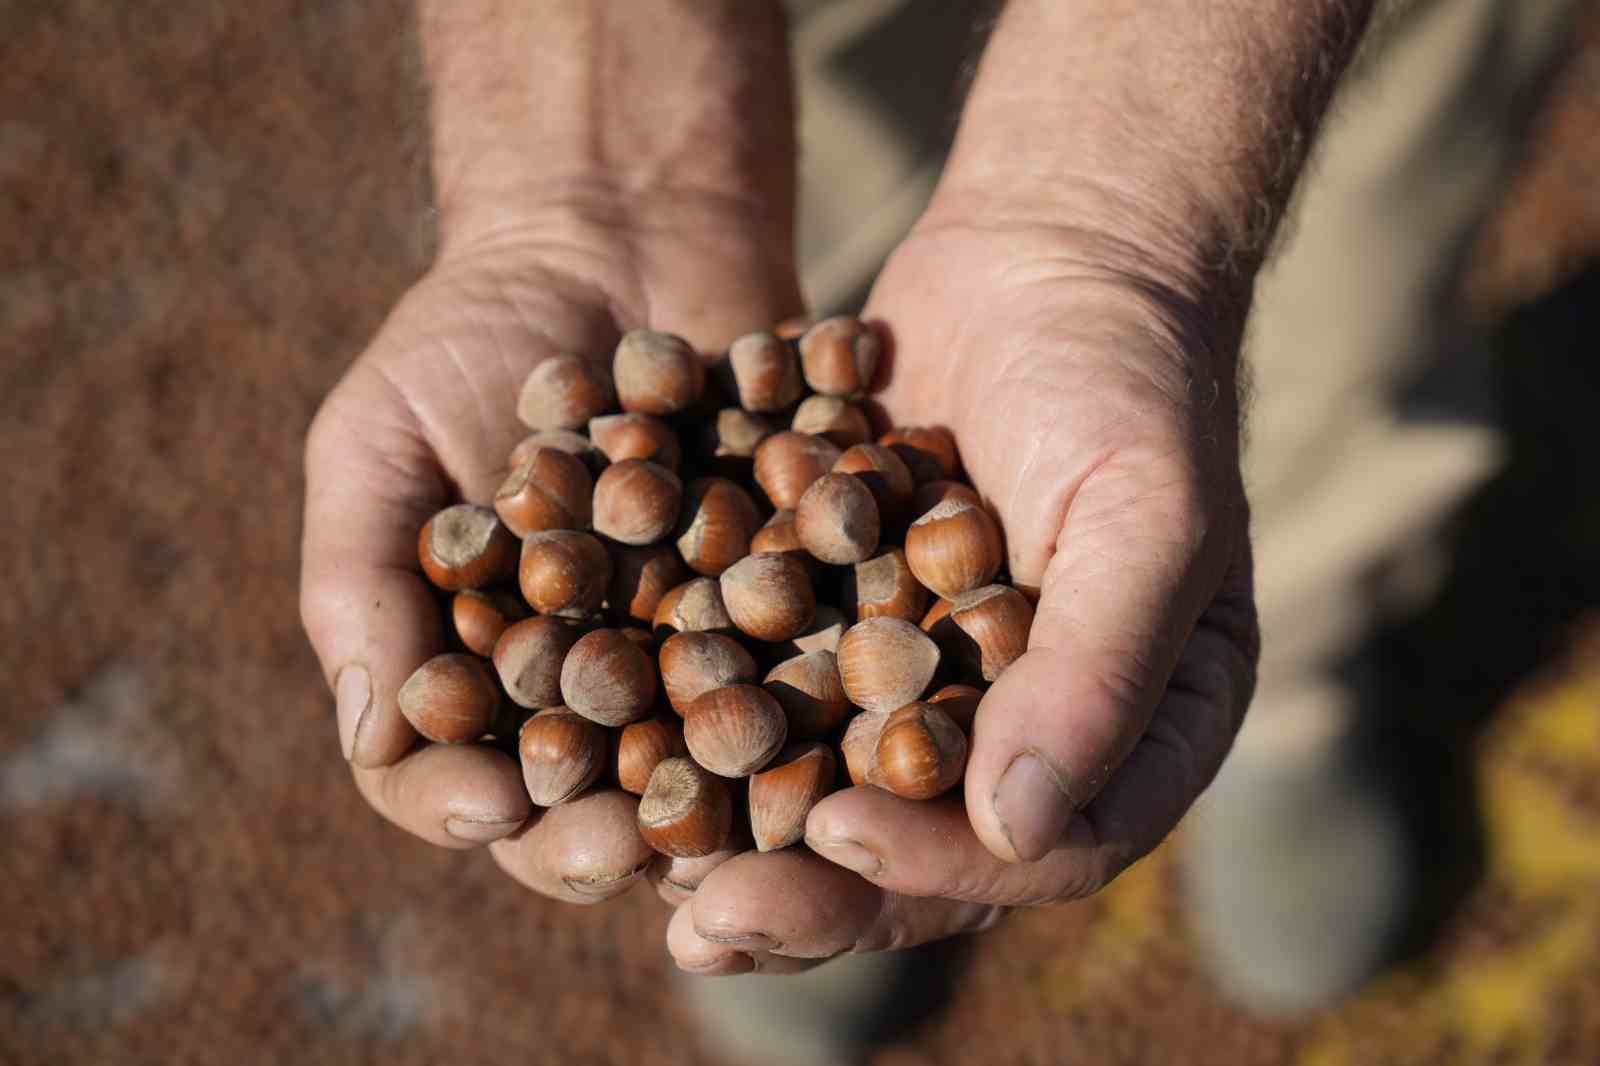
(205, 211)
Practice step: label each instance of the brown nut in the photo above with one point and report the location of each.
(838, 420)
(929, 452)
(466, 547)
(837, 520)
(886, 663)
(576, 445)
(685, 812)
(549, 490)
(769, 596)
(783, 794)
(960, 702)
(930, 495)
(808, 689)
(738, 432)
(528, 658)
(955, 548)
(985, 630)
(766, 372)
(883, 472)
(936, 614)
(691, 607)
(778, 535)
(839, 356)
(657, 373)
(695, 663)
(859, 742)
(639, 747)
(608, 678)
(734, 730)
(562, 754)
(480, 616)
(564, 392)
(717, 521)
(823, 634)
(884, 587)
(920, 753)
(450, 699)
(564, 572)
(641, 578)
(787, 463)
(636, 436)
(636, 501)
(792, 329)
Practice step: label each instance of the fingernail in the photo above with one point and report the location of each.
(846, 853)
(747, 941)
(1031, 806)
(352, 692)
(479, 832)
(602, 885)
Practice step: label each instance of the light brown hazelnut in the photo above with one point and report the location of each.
(641, 578)
(808, 689)
(636, 501)
(766, 372)
(694, 606)
(827, 626)
(564, 572)
(787, 463)
(839, 420)
(782, 794)
(466, 547)
(792, 329)
(549, 490)
(859, 742)
(986, 630)
(960, 702)
(936, 614)
(450, 699)
(481, 615)
(734, 730)
(839, 356)
(562, 754)
(920, 753)
(929, 452)
(608, 678)
(884, 587)
(574, 444)
(642, 746)
(718, 519)
(886, 663)
(657, 373)
(738, 432)
(955, 548)
(883, 472)
(930, 495)
(778, 535)
(837, 519)
(564, 392)
(528, 658)
(636, 436)
(695, 663)
(685, 812)
(769, 596)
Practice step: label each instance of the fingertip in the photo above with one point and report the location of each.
(454, 797)
(586, 850)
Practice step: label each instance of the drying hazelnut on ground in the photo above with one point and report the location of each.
(954, 548)
(769, 596)
(636, 436)
(808, 689)
(642, 746)
(608, 678)
(839, 420)
(636, 501)
(738, 432)
(884, 587)
(657, 373)
(641, 578)
(480, 616)
(549, 490)
(562, 754)
(685, 812)
(986, 630)
(930, 495)
(920, 752)
(694, 606)
(564, 392)
(717, 521)
(960, 702)
(466, 547)
(734, 730)
(695, 663)
(564, 572)
(576, 445)
(839, 356)
(783, 794)
(787, 463)
(450, 698)
(528, 658)
(885, 663)
(929, 452)
(883, 472)
(859, 742)
(766, 372)
(837, 519)
(823, 634)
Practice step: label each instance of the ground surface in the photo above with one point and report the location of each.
(204, 211)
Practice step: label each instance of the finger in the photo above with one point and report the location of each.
(456, 797)
(675, 879)
(583, 851)
(707, 958)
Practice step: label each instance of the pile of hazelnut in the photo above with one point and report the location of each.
(725, 609)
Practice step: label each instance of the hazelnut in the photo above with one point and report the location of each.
(792, 329)
(920, 752)
(782, 795)
(769, 595)
(859, 742)
(883, 472)
(641, 578)
(657, 373)
(528, 658)
(954, 548)
(823, 634)
(450, 699)
(636, 501)
(787, 463)
(466, 547)
(884, 587)
(608, 678)
(837, 519)
(717, 521)
(960, 702)
(734, 730)
(930, 495)
(985, 630)
(694, 606)
(929, 452)
(576, 445)
(936, 614)
(738, 432)
(778, 535)
(550, 489)
(562, 754)
(564, 392)
(766, 372)
(685, 812)
(695, 663)
(635, 436)
(481, 615)
(838, 420)
(808, 689)
(885, 663)
(839, 356)
(641, 746)
(564, 571)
